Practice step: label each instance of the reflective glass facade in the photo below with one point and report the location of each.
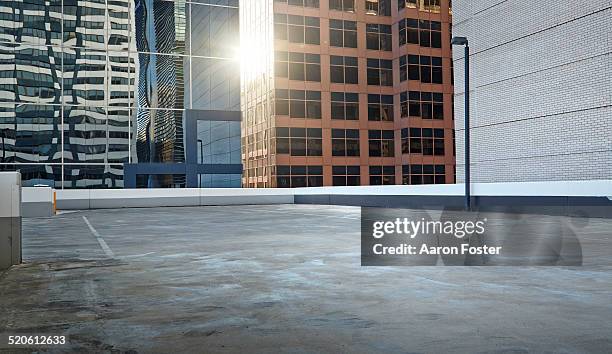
(88, 86)
(257, 91)
(219, 142)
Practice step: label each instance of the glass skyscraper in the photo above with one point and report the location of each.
(120, 93)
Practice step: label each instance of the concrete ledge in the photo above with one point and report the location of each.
(237, 196)
(37, 209)
(600, 207)
(247, 200)
(145, 202)
(598, 188)
(37, 202)
(595, 194)
(142, 198)
(149, 198)
(72, 199)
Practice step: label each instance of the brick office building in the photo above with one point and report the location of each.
(346, 92)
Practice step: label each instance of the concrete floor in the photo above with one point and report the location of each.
(283, 279)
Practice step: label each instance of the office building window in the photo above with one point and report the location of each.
(421, 68)
(426, 141)
(382, 175)
(299, 141)
(411, 4)
(299, 176)
(343, 70)
(298, 66)
(346, 176)
(380, 108)
(345, 142)
(423, 174)
(344, 106)
(343, 33)
(298, 103)
(378, 7)
(381, 143)
(430, 6)
(303, 3)
(425, 105)
(423, 5)
(297, 29)
(380, 72)
(342, 5)
(378, 37)
(422, 32)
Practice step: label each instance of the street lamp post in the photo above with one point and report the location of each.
(201, 160)
(464, 42)
(201, 150)
(3, 150)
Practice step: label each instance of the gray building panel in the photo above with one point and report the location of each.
(541, 90)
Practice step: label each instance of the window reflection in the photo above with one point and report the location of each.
(93, 176)
(37, 133)
(157, 133)
(37, 174)
(215, 84)
(214, 31)
(220, 180)
(85, 137)
(218, 142)
(85, 77)
(30, 74)
(160, 26)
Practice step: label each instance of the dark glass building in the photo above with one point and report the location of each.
(120, 93)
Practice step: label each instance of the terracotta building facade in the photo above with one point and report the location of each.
(346, 92)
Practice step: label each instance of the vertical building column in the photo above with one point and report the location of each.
(10, 219)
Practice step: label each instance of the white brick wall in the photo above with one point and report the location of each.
(541, 89)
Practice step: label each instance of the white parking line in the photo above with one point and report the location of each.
(109, 253)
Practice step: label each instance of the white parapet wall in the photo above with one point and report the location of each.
(598, 188)
(142, 198)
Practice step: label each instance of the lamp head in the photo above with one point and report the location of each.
(459, 41)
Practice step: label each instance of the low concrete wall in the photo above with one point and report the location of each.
(596, 193)
(236, 196)
(146, 198)
(598, 188)
(10, 219)
(580, 198)
(37, 202)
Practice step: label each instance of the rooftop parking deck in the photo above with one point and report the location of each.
(283, 278)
